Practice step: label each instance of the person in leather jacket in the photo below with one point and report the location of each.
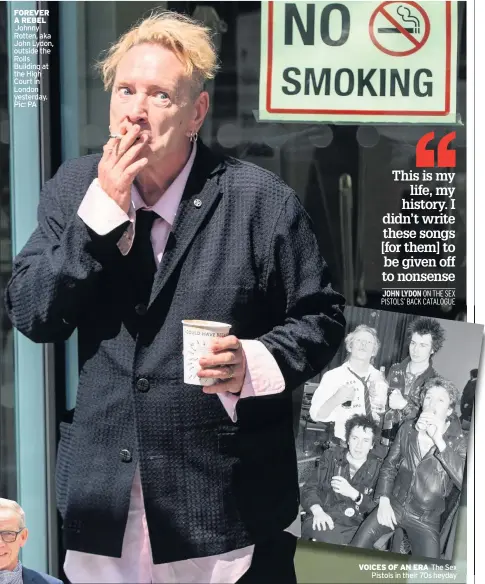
(467, 399)
(339, 494)
(426, 459)
(407, 378)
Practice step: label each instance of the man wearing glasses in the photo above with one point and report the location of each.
(13, 535)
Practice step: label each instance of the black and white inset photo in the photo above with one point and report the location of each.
(383, 434)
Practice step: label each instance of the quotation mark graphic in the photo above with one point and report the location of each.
(425, 158)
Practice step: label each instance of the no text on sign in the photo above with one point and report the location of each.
(359, 62)
(399, 28)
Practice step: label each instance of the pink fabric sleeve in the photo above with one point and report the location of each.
(263, 377)
(102, 214)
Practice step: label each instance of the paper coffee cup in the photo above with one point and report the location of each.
(198, 336)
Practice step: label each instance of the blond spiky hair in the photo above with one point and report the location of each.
(189, 40)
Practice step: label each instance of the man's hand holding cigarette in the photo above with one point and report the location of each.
(121, 162)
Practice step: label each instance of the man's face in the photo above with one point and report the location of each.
(360, 442)
(363, 345)
(151, 89)
(420, 348)
(9, 552)
(437, 401)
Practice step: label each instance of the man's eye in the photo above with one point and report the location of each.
(124, 91)
(162, 95)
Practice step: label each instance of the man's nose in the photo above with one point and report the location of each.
(138, 112)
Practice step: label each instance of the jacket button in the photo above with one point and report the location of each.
(125, 455)
(143, 385)
(141, 309)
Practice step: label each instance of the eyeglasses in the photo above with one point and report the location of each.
(10, 536)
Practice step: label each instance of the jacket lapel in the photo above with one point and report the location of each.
(200, 195)
(28, 577)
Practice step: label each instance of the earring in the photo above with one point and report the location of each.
(193, 137)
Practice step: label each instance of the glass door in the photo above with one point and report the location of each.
(8, 471)
(22, 387)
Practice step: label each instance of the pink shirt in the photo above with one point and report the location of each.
(263, 377)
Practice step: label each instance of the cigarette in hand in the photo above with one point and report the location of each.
(117, 136)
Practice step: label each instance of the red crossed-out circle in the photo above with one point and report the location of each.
(417, 44)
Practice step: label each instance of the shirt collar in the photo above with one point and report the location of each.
(12, 576)
(369, 371)
(167, 205)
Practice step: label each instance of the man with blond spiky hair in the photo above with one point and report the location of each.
(159, 480)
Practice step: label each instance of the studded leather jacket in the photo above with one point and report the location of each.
(318, 489)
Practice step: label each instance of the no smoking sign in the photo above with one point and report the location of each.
(399, 29)
(348, 61)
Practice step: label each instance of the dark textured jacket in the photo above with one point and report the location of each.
(318, 489)
(246, 256)
(422, 484)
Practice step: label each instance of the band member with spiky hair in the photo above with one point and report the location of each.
(339, 493)
(406, 379)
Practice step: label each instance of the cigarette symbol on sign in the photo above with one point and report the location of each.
(390, 17)
(406, 16)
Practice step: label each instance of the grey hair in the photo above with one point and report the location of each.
(16, 508)
(368, 329)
